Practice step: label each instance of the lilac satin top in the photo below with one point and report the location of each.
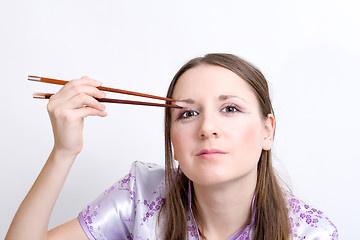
(130, 209)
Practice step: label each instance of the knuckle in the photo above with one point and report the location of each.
(71, 83)
(82, 96)
(49, 107)
(76, 89)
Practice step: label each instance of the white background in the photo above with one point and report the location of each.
(308, 50)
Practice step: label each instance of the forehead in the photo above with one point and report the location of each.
(211, 81)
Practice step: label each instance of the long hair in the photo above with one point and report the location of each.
(271, 216)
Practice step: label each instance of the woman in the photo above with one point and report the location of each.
(218, 182)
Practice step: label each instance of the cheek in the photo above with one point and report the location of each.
(250, 132)
(179, 139)
(250, 135)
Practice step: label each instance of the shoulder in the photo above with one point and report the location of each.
(308, 222)
(147, 171)
(143, 179)
(148, 180)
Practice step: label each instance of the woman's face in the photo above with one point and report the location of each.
(219, 134)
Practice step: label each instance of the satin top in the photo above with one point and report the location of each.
(129, 209)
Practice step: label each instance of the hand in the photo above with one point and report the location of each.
(67, 110)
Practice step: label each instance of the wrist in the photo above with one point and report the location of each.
(60, 155)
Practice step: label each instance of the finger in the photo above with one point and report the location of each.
(89, 111)
(82, 100)
(71, 91)
(63, 97)
(83, 81)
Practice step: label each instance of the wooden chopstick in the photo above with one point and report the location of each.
(111, 100)
(62, 82)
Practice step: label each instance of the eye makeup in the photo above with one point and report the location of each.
(186, 113)
(231, 108)
(228, 104)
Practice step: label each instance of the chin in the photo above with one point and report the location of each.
(219, 176)
(208, 178)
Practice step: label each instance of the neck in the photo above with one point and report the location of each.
(224, 208)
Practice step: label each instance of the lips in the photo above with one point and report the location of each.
(210, 153)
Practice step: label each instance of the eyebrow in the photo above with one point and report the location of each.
(225, 97)
(221, 98)
(188, 100)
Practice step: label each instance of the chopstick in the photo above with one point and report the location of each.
(62, 82)
(111, 100)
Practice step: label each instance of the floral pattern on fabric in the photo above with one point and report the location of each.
(305, 221)
(130, 210)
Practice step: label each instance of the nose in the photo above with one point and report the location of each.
(209, 127)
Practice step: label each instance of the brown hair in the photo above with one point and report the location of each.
(271, 216)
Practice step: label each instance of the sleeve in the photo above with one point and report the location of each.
(127, 208)
(111, 215)
(323, 229)
(310, 223)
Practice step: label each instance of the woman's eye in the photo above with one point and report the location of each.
(230, 109)
(188, 114)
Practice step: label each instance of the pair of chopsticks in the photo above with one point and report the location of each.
(107, 100)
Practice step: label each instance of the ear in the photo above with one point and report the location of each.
(269, 129)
